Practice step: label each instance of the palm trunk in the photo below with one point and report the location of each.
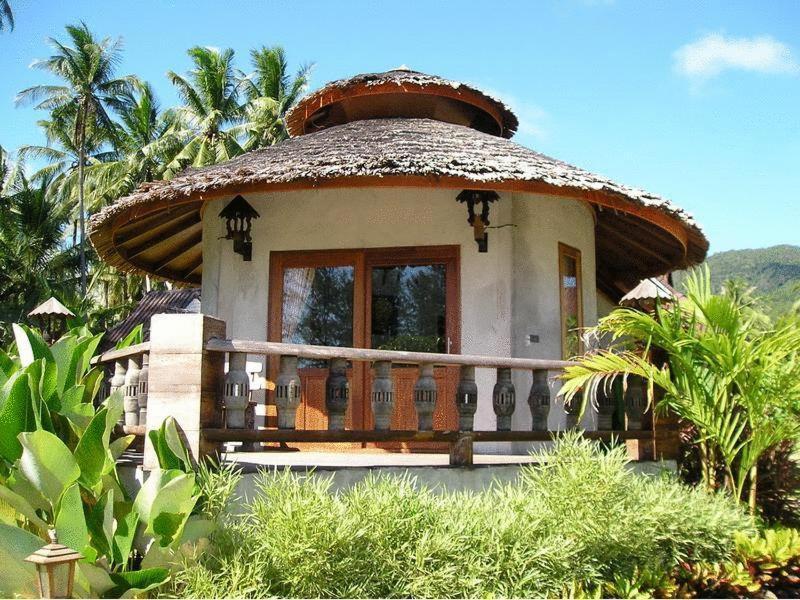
(81, 178)
(753, 494)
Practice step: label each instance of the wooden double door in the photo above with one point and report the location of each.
(404, 298)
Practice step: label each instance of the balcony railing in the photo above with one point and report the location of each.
(236, 398)
(127, 369)
(182, 373)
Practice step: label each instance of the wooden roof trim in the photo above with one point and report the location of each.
(177, 235)
(297, 119)
(194, 244)
(165, 229)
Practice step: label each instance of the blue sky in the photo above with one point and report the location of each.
(699, 102)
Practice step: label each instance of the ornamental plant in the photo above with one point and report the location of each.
(735, 379)
(58, 470)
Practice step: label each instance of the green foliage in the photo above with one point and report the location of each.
(576, 520)
(767, 563)
(736, 382)
(58, 470)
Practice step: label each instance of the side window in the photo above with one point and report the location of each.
(570, 294)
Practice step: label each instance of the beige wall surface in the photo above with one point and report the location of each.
(507, 294)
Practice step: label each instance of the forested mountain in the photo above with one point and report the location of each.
(774, 272)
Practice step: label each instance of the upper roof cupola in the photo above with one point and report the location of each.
(400, 93)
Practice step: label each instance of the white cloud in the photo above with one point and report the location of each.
(715, 53)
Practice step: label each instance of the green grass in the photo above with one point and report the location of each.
(582, 519)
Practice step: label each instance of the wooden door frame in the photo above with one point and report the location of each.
(364, 259)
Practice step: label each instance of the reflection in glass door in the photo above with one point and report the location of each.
(392, 299)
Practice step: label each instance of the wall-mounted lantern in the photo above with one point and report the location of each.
(55, 568)
(238, 215)
(480, 221)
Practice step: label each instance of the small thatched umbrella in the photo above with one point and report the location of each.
(645, 295)
(52, 315)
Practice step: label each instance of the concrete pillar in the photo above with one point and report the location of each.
(185, 380)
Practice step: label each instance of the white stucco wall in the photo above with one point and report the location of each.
(506, 294)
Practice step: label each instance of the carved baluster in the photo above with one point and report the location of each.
(634, 403)
(539, 401)
(130, 403)
(572, 410)
(287, 392)
(466, 398)
(382, 395)
(504, 399)
(425, 397)
(117, 382)
(605, 409)
(141, 399)
(236, 394)
(337, 393)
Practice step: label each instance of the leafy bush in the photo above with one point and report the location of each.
(768, 563)
(576, 521)
(58, 471)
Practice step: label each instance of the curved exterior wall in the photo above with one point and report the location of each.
(507, 294)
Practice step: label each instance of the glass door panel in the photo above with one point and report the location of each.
(408, 308)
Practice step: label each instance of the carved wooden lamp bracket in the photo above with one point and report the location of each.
(238, 215)
(480, 221)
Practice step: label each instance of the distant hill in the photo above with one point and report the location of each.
(774, 271)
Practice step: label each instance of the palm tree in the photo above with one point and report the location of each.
(87, 70)
(145, 140)
(737, 382)
(211, 102)
(6, 16)
(270, 93)
(34, 261)
(64, 157)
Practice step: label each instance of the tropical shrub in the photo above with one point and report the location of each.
(768, 563)
(576, 520)
(58, 471)
(735, 381)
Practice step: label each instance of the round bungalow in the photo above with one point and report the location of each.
(400, 215)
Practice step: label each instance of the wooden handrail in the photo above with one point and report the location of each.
(371, 435)
(393, 356)
(117, 354)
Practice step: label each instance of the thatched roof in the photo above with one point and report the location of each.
(51, 307)
(400, 93)
(157, 229)
(649, 290)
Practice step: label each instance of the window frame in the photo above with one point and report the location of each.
(565, 250)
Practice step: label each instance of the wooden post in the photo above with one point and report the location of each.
(144, 381)
(117, 382)
(461, 451)
(236, 391)
(287, 392)
(337, 393)
(635, 403)
(425, 397)
(605, 409)
(185, 380)
(130, 402)
(504, 399)
(466, 398)
(382, 395)
(539, 401)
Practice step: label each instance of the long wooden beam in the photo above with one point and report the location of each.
(394, 356)
(166, 229)
(326, 436)
(195, 231)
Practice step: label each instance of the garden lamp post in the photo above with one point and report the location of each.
(55, 568)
